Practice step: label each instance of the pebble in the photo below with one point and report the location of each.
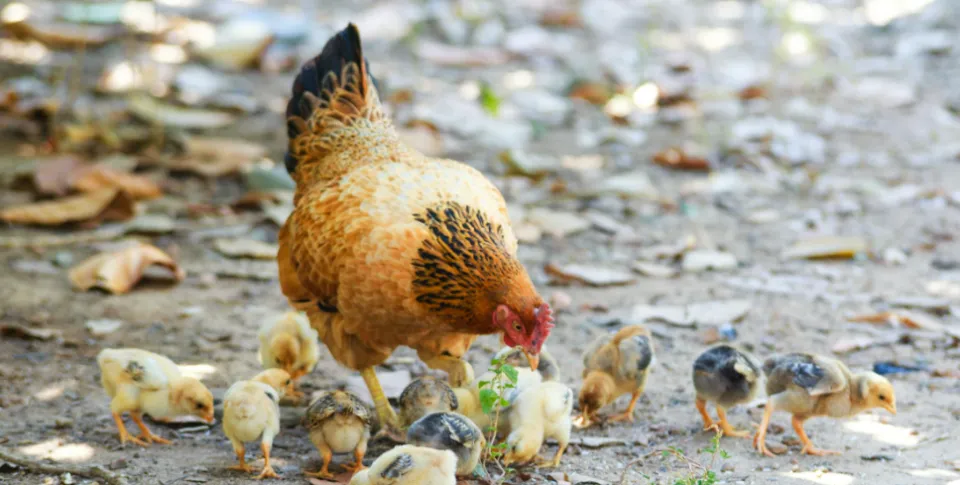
(63, 422)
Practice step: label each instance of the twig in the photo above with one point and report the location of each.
(92, 471)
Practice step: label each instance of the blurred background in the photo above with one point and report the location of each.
(687, 163)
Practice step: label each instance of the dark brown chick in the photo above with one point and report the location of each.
(615, 364)
(808, 385)
(727, 377)
(424, 396)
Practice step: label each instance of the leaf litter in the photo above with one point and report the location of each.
(118, 272)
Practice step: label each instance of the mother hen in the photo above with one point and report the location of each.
(387, 247)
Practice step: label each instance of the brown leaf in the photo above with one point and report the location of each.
(844, 345)
(90, 208)
(13, 330)
(825, 247)
(590, 275)
(119, 271)
(593, 93)
(215, 157)
(62, 34)
(54, 176)
(752, 92)
(256, 200)
(906, 318)
(246, 248)
(560, 17)
(677, 158)
(99, 177)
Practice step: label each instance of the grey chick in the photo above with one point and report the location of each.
(450, 431)
(727, 377)
(548, 367)
(338, 422)
(424, 396)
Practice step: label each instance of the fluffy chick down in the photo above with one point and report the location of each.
(339, 422)
(450, 431)
(251, 410)
(424, 396)
(539, 413)
(410, 465)
(727, 377)
(614, 365)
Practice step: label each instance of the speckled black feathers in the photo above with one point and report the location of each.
(443, 431)
(465, 255)
(400, 466)
(722, 360)
(342, 49)
(801, 369)
(725, 375)
(135, 370)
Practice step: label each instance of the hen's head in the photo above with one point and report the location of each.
(525, 329)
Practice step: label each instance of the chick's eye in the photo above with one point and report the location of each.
(199, 405)
(883, 398)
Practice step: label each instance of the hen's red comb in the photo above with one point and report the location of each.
(544, 316)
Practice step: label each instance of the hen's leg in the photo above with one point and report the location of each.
(808, 448)
(628, 414)
(124, 434)
(388, 417)
(729, 430)
(268, 471)
(460, 372)
(145, 433)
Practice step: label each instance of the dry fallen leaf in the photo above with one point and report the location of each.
(62, 34)
(826, 247)
(14, 330)
(593, 93)
(153, 110)
(701, 313)
(119, 271)
(215, 157)
(677, 158)
(907, 318)
(753, 91)
(849, 344)
(90, 208)
(99, 177)
(54, 176)
(246, 248)
(591, 275)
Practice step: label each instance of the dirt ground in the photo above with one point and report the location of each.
(888, 172)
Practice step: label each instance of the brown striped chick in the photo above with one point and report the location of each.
(547, 367)
(614, 365)
(727, 377)
(141, 382)
(468, 399)
(251, 410)
(338, 422)
(410, 465)
(808, 385)
(539, 413)
(424, 396)
(450, 431)
(289, 343)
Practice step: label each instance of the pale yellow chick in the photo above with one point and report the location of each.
(468, 398)
(410, 465)
(278, 379)
(251, 410)
(291, 344)
(539, 413)
(141, 382)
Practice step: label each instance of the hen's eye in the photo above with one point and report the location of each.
(287, 383)
(517, 327)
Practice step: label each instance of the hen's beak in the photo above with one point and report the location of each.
(892, 407)
(533, 359)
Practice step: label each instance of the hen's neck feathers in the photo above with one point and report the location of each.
(464, 269)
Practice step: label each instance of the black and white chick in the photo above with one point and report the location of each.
(450, 431)
(726, 377)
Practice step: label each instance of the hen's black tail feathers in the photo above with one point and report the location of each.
(343, 49)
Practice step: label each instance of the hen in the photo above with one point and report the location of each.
(387, 247)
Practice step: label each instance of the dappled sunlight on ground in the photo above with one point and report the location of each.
(936, 473)
(885, 433)
(823, 478)
(54, 391)
(197, 371)
(56, 450)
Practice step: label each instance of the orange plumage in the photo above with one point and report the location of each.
(385, 246)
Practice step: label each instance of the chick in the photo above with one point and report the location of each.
(450, 431)
(727, 377)
(141, 382)
(468, 399)
(539, 413)
(424, 396)
(289, 344)
(251, 410)
(548, 367)
(807, 385)
(410, 465)
(278, 379)
(338, 422)
(615, 365)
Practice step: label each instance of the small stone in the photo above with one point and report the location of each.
(99, 328)
(63, 423)
(118, 464)
(63, 259)
(728, 467)
(705, 260)
(894, 257)
(67, 479)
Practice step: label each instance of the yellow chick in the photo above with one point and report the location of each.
(424, 396)
(278, 379)
(140, 382)
(727, 377)
(251, 410)
(613, 366)
(338, 422)
(539, 413)
(807, 385)
(468, 399)
(410, 465)
(290, 344)
(547, 367)
(450, 431)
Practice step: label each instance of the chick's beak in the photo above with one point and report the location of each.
(533, 359)
(892, 407)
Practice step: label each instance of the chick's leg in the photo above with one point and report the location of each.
(124, 434)
(327, 455)
(708, 424)
(358, 465)
(628, 414)
(760, 439)
(240, 451)
(729, 430)
(268, 471)
(808, 447)
(145, 433)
